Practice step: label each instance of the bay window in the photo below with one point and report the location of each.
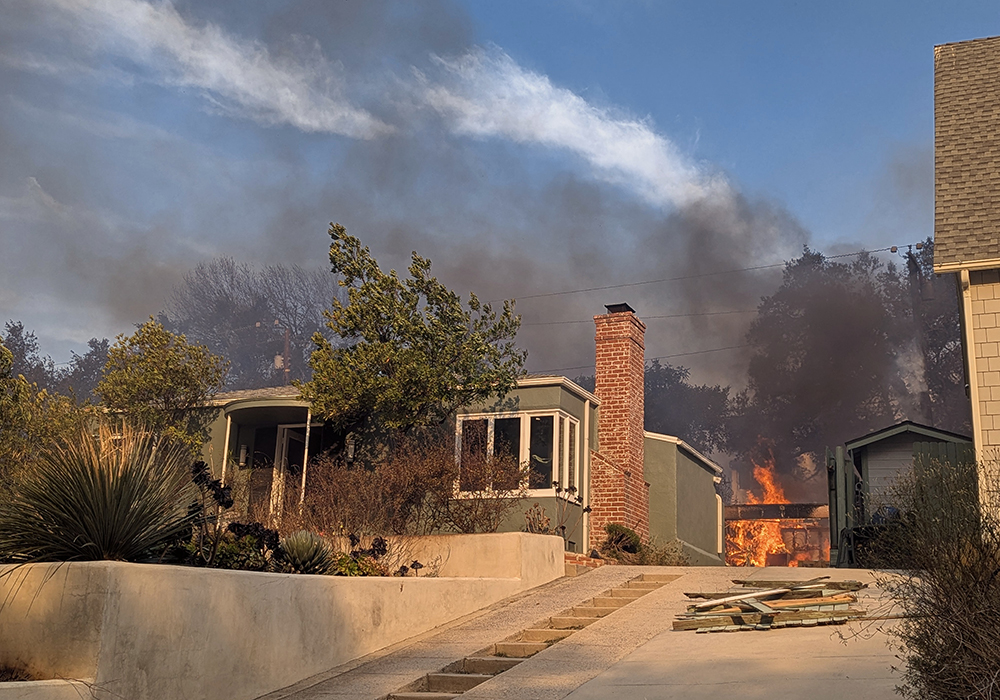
(546, 441)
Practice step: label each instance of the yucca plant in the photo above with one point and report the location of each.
(305, 553)
(122, 494)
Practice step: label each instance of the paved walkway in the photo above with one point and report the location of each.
(633, 653)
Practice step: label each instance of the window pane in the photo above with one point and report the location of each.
(572, 455)
(506, 473)
(474, 434)
(540, 452)
(507, 437)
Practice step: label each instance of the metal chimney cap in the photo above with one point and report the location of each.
(618, 308)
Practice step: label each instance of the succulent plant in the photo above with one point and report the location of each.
(305, 553)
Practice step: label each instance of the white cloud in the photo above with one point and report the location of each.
(241, 76)
(488, 94)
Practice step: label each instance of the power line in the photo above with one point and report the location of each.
(690, 277)
(645, 318)
(661, 357)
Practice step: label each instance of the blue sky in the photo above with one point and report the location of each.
(525, 147)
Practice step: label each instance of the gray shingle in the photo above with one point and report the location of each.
(966, 148)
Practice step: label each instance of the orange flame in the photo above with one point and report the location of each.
(748, 542)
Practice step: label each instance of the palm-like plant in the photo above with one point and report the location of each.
(118, 495)
(305, 553)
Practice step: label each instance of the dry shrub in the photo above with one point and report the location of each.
(490, 488)
(944, 544)
(392, 495)
(413, 488)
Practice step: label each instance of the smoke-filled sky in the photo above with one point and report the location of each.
(526, 147)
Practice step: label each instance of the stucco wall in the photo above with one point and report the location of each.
(164, 632)
(661, 472)
(698, 519)
(682, 501)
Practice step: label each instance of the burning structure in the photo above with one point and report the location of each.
(768, 530)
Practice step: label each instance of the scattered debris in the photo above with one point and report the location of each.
(763, 605)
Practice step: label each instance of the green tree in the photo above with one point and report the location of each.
(159, 380)
(414, 352)
(29, 419)
(15, 416)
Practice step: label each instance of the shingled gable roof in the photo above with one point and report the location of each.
(967, 154)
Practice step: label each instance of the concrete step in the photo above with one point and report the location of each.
(544, 635)
(592, 611)
(649, 585)
(417, 695)
(489, 665)
(519, 650)
(454, 682)
(610, 602)
(569, 622)
(631, 593)
(660, 578)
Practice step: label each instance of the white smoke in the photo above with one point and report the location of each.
(487, 94)
(241, 77)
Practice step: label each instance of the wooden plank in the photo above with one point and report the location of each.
(799, 592)
(743, 596)
(836, 585)
(785, 617)
(782, 603)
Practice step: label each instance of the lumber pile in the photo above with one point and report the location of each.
(765, 605)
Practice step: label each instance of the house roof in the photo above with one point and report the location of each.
(559, 380)
(967, 154)
(270, 392)
(687, 448)
(907, 426)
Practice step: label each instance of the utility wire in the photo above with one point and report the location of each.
(690, 277)
(646, 318)
(661, 357)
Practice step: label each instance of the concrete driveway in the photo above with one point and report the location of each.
(634, 654)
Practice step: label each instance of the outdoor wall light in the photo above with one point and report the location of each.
(243, 455)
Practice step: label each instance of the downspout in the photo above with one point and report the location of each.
(585, 481)
(972, 374)
(225, 447)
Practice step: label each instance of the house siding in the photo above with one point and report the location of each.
(885, 461)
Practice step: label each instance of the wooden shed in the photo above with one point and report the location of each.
(866, 466)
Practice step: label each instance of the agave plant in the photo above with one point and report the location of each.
(118, 495)
(305, 553)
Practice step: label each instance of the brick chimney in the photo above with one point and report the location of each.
(619, 493)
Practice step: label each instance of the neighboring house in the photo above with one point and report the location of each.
(863, 471)
(588, 454)
(967, 220)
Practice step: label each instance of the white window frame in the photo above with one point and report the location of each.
(560, 471)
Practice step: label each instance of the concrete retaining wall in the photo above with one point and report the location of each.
(166, 632)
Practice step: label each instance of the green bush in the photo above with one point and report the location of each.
(622, 539)
(124, 495)
(626, 547)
